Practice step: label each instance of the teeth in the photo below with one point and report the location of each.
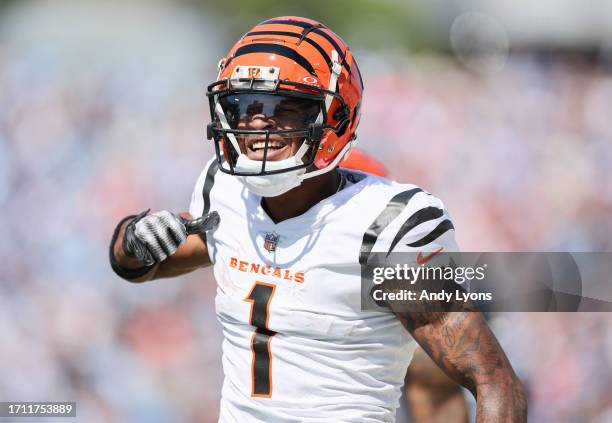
(258, 145)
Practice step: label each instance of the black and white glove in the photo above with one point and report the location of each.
(152, 238)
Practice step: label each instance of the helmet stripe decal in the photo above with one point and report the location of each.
(295, 35)
(274, 49)
(316, 31)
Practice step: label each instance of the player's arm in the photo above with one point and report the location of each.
(431, 396)
(459, 342)
(160, 245)
(464, 347)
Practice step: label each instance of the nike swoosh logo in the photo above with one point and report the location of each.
(421, 259)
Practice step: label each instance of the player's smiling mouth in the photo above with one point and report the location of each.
(276, 149)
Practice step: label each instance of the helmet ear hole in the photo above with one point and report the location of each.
(343, 128)
(341, 113)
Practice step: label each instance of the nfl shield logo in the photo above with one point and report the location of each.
(270, 241)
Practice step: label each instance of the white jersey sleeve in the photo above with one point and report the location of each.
(413, 221)
(201, 200)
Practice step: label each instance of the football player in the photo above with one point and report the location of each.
(431, 396)
(287, 232)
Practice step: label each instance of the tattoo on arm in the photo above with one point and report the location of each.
(464, 347)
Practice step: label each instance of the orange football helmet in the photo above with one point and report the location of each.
(290, 58)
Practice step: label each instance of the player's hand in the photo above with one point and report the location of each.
(152, 238)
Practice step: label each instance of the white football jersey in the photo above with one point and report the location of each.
(297, 347)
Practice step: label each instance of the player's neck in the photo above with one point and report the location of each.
(300, 199)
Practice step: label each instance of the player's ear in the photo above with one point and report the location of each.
(186, 215)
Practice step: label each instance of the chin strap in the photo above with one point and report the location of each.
(335, 68)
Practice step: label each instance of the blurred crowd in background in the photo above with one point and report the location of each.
(103, 114)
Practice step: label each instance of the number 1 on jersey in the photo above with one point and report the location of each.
(261, 367)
